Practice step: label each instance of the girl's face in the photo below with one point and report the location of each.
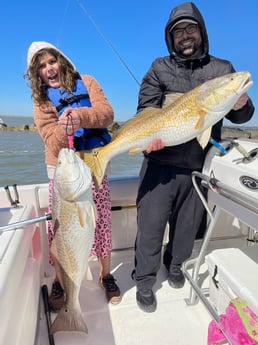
(49, 70)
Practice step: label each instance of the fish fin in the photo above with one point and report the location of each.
(137, 120)
(81, 215)
(204, 137)
(94, 213)
(69, 320)
(199, 123)
(171, 98)
(88, 274)
(91, 213)
(97, 162)
(86, 213)
(135, 150)
(139, 117)
(148, 112)
(53, 249)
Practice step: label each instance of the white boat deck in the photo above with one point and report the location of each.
(174, 322)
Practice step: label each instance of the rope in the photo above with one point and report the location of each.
(107, 41)
(70, 136)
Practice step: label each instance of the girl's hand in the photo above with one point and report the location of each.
(70, 120)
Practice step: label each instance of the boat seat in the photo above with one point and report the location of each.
(43, 197)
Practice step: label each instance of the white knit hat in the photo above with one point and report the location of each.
(37, 46)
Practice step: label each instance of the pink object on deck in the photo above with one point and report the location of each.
(239, 323)
(215, 335)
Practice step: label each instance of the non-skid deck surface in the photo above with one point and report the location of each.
(173, 323)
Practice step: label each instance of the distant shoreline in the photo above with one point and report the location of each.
(227, 131)
(236, 132)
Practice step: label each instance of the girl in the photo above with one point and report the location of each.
(67, 103)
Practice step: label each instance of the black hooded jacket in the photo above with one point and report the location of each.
(175, 73)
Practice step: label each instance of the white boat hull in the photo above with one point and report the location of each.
(237, 172)
(24, 268)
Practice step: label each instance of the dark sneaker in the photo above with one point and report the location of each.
(176, 279)
(146, 300)
(57, 297)
(112, 290)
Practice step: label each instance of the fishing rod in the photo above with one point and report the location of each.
(18, 225)
(122, 207)
(109, 43)
(44, 291)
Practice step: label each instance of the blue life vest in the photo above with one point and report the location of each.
(84, 138)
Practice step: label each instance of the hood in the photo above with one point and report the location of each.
(35, 47)
(186, 10)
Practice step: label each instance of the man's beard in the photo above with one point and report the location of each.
(192, 50)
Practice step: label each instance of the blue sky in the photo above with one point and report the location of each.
(135, 29)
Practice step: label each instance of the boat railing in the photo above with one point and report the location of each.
(20, 224)
(221, 197)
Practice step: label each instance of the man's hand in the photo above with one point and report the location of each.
(240, 102)
(155, 145)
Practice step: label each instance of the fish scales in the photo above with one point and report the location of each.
(67, 240)
(73, 215)
(183, 118)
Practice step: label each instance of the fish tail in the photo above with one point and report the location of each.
(69, 321)
(97, 161)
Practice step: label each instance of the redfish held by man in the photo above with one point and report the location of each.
(73, 215)
(185, 117)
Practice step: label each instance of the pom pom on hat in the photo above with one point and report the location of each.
(35, 47)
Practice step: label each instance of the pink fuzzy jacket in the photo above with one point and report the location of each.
(99, 115)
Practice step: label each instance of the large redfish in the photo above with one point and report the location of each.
(185, 117)
(73, 216)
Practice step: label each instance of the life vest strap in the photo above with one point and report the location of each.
(69, 100)
(92, 138)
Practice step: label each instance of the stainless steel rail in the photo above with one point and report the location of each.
(223, 197)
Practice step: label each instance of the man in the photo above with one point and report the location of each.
(166, 193)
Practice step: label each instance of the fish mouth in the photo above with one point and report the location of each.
(71, 177)
(246, 84)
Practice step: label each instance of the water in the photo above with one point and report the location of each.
(22, 158)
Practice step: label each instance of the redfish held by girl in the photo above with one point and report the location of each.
(73, 215)
(185, 117)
